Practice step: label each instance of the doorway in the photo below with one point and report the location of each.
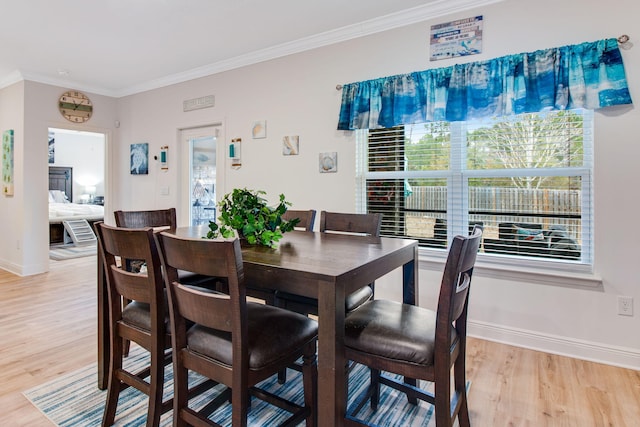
(204, 181)
(84, 152)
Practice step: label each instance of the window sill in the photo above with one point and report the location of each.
(567, 275)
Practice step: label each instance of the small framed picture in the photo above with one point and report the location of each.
(290, 145)
(139, 157)
(259, 129)
(328, 162)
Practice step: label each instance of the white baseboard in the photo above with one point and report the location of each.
(564, 346)
(10, 267)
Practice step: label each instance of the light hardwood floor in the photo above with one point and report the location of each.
(48, 328)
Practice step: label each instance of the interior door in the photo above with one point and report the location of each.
(202, 181)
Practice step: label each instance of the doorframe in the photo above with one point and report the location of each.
(185, 134)
(108, 176)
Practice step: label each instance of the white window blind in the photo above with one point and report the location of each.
(527, 179)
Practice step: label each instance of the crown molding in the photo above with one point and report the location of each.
(400, 19)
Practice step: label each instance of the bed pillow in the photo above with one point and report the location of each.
(51, 199)
(59, 196)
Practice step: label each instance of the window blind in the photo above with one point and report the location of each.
(526, 179)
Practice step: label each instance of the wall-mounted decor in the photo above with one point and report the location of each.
(290, 145)
(52, 147)
(139, 159)
(235, 153)
(164, 158)
(328, 162)
(7, 162)
(259, 129)
(75, 106)
(199, 103)
(456, 38)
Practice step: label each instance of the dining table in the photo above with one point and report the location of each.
(325, 266)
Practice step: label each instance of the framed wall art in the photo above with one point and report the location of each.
(259, 129)
(328, 162)
(290, 145)
(456, 38)
(139, 159)
(7, 162)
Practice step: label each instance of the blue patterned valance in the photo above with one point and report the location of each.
(588, 75)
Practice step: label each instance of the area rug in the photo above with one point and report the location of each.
(59, 253)
(75, 400)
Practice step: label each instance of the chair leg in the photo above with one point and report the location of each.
(310, 383)
(282, 376)
(460, 385)
(411, 398)
(375, 388)
(442, 404)
(181, 393)
(240, 406)
(114, 385)
(155, 386)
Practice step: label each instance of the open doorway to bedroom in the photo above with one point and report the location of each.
(76, 186)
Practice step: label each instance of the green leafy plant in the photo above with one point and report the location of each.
(247, 213)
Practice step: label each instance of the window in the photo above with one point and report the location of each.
(527, 179)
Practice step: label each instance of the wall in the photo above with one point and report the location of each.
(31, 109)
(296, 96)
(11, 208)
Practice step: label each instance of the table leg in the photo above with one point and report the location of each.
(410, 296)
(410, 280)
(332, 399)
(103, 325)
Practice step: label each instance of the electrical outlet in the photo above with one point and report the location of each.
(625, 306)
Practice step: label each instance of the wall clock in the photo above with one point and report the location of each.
(75, 106)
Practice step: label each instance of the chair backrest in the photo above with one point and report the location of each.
(222, 259)
(365, 224)
(141, 219)
(307, 218)
(146, 287)
(454, 289)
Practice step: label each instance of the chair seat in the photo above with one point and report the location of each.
(138, 314)
(393, 330)
(352, 301)
(272, 333)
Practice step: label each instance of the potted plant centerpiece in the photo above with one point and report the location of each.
(247, 213)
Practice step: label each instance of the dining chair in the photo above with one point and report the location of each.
(158, 219)
(152, 218)
(232, 341)
(418, 343)
(306, 221)
(342, 223)
(143, 320)
(307, 218)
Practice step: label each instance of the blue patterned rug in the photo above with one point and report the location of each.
(62, 252)
(75, 400)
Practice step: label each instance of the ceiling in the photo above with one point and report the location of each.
(120, 47)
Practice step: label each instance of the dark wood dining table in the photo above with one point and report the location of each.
(320, 265)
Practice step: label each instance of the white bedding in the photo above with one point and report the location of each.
(61, 211)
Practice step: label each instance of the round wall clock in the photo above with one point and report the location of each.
(75, 106)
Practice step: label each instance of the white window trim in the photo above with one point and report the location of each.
(521, 269)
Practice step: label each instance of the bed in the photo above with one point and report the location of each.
(60, 206)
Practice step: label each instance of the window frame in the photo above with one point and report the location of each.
(458, 177)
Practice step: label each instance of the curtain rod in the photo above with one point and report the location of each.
(623, 40)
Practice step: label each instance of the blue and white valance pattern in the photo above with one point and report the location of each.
(589, 75)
